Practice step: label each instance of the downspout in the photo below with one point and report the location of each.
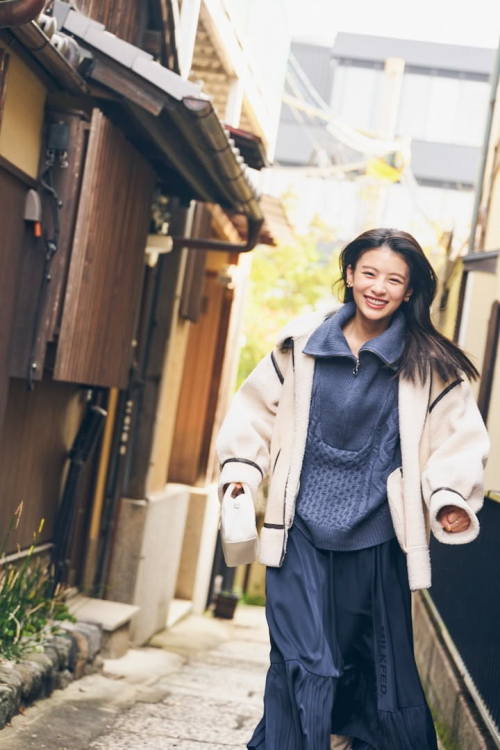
(19, 12)
(198, 243)
(484, 153)
(198, 117)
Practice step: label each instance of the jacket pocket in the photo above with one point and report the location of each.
(395, 497)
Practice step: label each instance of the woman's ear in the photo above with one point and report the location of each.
(408, 294)
(349, 275)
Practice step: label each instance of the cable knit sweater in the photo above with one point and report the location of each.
(444, 445)
(353, 436)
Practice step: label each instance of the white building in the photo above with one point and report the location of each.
(438, 99)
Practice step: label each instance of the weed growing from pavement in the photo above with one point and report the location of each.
(30, 606)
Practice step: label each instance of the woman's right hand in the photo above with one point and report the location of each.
(237, 488)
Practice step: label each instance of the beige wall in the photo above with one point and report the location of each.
(22, 122)
(169, 393)
(480, 293)
(492, 235)
(445, 321)
(492, 481)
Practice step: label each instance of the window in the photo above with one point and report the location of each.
(443, 109)
(415, 95)
(356, 94)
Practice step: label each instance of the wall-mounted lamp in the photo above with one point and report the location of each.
(33, 211)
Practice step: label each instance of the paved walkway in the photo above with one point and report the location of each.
(214, 701)
(199, 688)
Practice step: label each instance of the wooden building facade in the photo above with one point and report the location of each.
(118, 307)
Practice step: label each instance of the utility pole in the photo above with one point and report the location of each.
(375, 190)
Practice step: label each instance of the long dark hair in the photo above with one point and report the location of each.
(425, 345)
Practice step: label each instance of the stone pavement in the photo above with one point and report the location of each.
(197, 687)
(200, 686)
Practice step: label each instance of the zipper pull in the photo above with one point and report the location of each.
(356, 367)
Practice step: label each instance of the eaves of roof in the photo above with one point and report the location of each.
(168, 114)
(31, 40)
(250, 147)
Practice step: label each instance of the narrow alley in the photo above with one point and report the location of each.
(200, 687)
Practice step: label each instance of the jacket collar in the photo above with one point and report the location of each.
(327, 337)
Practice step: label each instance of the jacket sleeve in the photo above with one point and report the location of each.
(459, 446)
(243, 441)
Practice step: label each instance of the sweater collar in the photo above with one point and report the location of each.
(328, 339)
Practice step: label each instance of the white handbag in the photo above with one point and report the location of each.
(238, 527)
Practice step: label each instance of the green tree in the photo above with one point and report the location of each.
(285, 281)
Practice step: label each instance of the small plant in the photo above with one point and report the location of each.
(30, 605)
(255, 599)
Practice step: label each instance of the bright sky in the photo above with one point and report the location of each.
(470, 23)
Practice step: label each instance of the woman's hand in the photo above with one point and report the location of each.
(453, 519)
(237, 488)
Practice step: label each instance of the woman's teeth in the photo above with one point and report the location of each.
(375, 302)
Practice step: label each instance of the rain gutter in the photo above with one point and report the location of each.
(232, 176)
(33, 41)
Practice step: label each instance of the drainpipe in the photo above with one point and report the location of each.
(19, 12)
(484, 153)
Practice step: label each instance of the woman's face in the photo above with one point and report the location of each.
(380, 282)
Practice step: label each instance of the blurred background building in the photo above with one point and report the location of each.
(430, 99)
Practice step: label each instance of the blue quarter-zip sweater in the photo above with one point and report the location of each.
(353, 436)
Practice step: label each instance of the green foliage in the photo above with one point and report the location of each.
(285, 281)
(29, 606)
(254, 599)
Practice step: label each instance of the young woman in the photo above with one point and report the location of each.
(365, 422)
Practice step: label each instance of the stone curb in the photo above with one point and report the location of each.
(66, 657)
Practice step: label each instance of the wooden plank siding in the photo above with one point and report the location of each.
(105, 277)
(15, 241)
(37, 312)
(125, 18)
(4, 64)
(200, 385)
(38, 431)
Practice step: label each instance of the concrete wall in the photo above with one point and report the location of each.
(146, 557)
(198, 546)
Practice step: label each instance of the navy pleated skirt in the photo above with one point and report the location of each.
(341, 652)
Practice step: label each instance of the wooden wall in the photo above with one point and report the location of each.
(125, 18)
(200, 384)
(38, 430)
(15, 240)
(95, 342)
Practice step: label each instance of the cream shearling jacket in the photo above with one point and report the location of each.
(444, 446)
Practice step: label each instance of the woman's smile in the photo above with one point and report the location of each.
(375, 302)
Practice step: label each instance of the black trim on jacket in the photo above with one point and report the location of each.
(242, 461)
(448, 489)
(444, 392)
(278, 371)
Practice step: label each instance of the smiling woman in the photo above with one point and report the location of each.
(383, 270)
(370, 413)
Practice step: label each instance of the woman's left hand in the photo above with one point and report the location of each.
(453, 519)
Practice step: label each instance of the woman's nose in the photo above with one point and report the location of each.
(378, 287)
